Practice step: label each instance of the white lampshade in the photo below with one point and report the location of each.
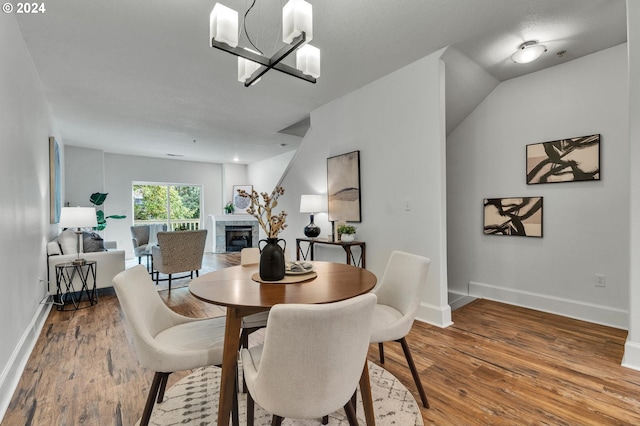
(246, 68)
(297, 16)
(308, 60)
(528, 52)
(78, 217)
(223, 25)
(312, 203)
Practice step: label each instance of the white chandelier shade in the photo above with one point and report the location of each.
(223, 25)
(308, 60)
(297, 17)
(246, 68)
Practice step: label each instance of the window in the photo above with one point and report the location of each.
(176, 205)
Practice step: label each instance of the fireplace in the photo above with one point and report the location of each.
(237, 237)
(233, 232)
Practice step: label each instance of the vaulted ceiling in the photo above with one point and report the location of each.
(138, 77)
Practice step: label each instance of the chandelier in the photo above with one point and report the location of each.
(297, 32)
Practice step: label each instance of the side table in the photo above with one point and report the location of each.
(65, 274)
(309, 254)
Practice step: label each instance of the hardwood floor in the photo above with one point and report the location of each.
(498, 364)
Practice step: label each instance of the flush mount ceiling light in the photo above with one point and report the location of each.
(528, 51)
(297, 32)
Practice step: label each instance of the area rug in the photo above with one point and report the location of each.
(194, 400)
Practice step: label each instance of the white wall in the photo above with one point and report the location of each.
(632, 347)
(25, 126)
(232, 174)
(266, 174)
(397, 123)
(84, 175)
(585, 223)
(120, 171)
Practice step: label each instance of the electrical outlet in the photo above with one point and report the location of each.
(601, 280)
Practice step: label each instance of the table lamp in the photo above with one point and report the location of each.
(311, 204)
(78, 217)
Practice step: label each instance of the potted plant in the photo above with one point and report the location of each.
(97, 199)
(346, 232)
(228, 208)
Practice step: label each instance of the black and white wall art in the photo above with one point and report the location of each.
(564, 160)
(513, 216)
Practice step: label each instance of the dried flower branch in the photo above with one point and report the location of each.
(272, 225)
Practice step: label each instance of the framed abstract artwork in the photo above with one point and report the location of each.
(343, 187)
(564, 160)
(241, 204)
(55, 182)
(513, 216)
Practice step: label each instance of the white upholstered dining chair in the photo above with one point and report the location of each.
(399, 293)
(164, 340)
(251, 323)
(321, 375)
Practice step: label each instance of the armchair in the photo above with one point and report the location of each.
(143, 237)
(178, 251)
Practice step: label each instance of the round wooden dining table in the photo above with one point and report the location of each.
(239, 289)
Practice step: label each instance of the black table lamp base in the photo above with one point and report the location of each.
(311, 230)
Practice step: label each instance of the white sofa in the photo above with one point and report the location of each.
(63, 249)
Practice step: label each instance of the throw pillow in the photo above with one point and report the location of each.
(68, 242)
(92, 242)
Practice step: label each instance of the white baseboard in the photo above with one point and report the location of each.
(598, 314)
(440, 316)
(631, 358)
(15, 367)
(458, 300)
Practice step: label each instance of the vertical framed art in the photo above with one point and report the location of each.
(241, 204)
(55, 181)
(513, 216)
(564, 160)
(343, 187)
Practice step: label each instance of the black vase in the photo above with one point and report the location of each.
(272, 260)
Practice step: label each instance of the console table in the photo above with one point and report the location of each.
(65, 273)
(309, 254)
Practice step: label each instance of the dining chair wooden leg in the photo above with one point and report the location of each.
(163, 386)
(276, 420)
(235, 418)
(325, 420)
(244, 343)
(169, 282)
(414, 372)
(354, 400)
(153, 392)
(250, 408)
(381, 351)
(351, 414)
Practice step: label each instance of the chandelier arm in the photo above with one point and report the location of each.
(276, 59)
(268, 63)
